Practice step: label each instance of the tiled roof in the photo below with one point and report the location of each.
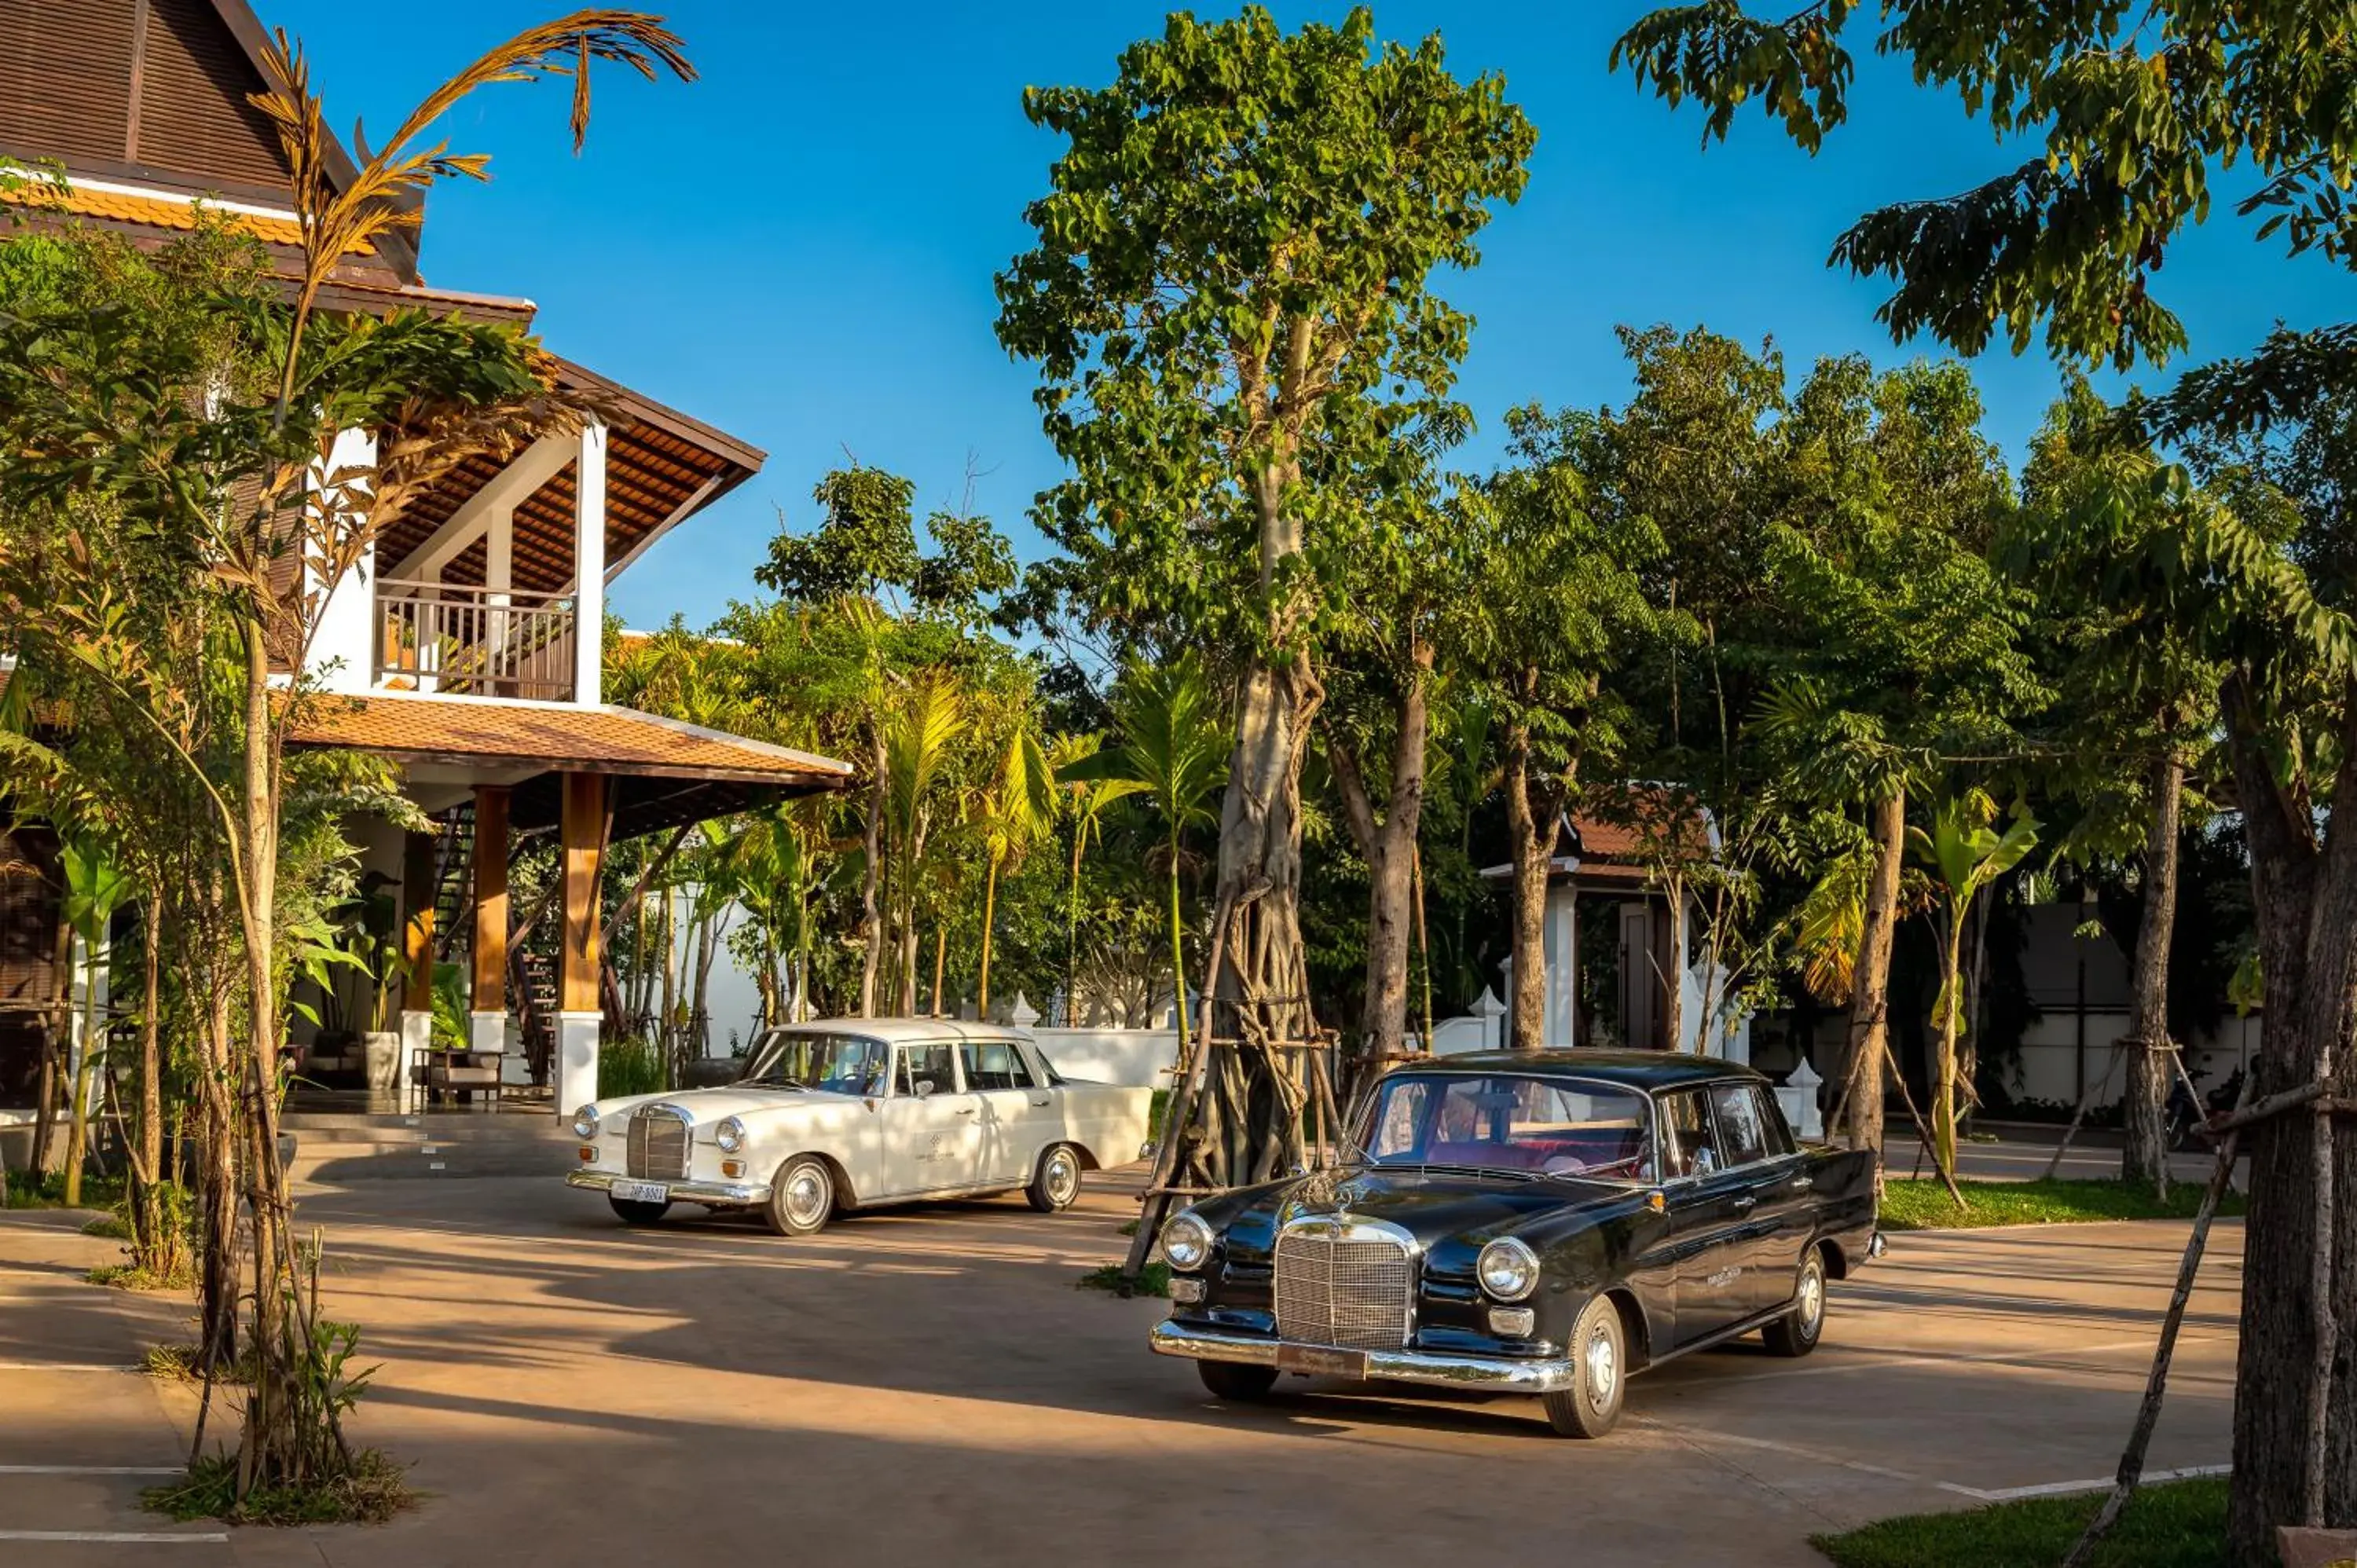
(155, 211)
(554, 735)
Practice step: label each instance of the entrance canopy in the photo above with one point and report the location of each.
(661, 772)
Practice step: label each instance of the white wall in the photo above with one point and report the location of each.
(1138, 1059)
(2048, 1065)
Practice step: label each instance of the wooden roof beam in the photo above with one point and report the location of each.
(533, 467)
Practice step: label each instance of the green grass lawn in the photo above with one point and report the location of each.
(49, 1191)
(2180, 1524)
(1926, 1205)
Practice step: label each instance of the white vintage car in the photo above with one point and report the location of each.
(856, 1113)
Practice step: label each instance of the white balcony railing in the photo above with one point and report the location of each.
(442, 636)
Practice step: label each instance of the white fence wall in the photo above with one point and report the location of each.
(2051, 1055)
(1134, 1057)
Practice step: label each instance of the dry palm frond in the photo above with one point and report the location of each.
(376, 200)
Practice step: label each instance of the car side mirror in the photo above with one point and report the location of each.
(1705, 1161)
(922, 1088)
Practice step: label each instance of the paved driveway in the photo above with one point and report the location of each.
(927, 1386)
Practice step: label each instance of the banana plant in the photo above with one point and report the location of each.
(97, 885)
(1966, 853)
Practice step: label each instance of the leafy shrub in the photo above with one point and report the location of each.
(629, 1066)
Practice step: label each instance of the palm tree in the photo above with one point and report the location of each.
(1175, 749)
(914, 744)
(1087, 798)
(1015, 812)
(1966, 852)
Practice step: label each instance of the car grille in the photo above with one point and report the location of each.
(658, 1143)
(1347, 1286)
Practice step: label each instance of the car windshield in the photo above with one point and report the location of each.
(1511, 1122)
(840, 1064)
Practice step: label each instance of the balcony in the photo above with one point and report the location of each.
(453, 639)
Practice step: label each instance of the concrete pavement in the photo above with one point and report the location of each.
(927, 1385)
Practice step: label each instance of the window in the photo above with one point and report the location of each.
(1742, 1141)
(838, 1063)
(1772, 1123)
(1511, 1122)
(925, 1064)
(996, 1064)
(1685, 1135)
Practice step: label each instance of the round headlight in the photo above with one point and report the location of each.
(1187, 1242)
(1509, 1269)
(585, 1121)
(729, 1135)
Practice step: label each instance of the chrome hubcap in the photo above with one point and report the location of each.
(1603, 1369)
(1813, 1300)
(1063, 1178)
(806, 1197)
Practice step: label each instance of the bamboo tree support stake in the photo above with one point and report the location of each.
(1922, 1134)
(2156, 1386)
(1155, 1204)
(2086, 1099)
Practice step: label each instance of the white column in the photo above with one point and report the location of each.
(577, 1061)
(343, 641)
(1561, 945)
(416, 1035)
(589, 565)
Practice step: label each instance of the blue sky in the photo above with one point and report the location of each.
(799, 247)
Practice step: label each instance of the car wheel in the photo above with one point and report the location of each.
(1236, 1380)
(633, 1213)
(801, 1199)
(1599, 1369)
(1057, 1182)
(1795, 1333)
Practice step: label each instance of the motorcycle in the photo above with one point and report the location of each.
(2186, 1121)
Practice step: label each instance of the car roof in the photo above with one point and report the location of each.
(1639, 1069)
(903, 1031)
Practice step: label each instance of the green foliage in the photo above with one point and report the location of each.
(629, 1066)
(2172, 1524)
(866, 545)
(370, 1490)
(1154, 1280)
(1228, 298)
(48, 1190)
(1909, 1205)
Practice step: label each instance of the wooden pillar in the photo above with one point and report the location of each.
(418, 863)
(583, 831)
(489, 1027)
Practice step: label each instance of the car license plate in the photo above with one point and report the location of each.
(640, 1191)
(1320, 1361)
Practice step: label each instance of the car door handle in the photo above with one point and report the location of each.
(1045, 1099)
(1745, 1203)
(966, 1110)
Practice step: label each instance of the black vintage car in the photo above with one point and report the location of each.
(1533, 1222)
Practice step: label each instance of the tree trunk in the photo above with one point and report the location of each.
(1674, 982)
(1533, 816)
(84, 1078)
(989, 918)
(1249, 1123)
(940, 964)
(1869, 1007)
(1388, 846)
(151, 1249)
(871, 919)
(57, 1027)
(2145, 1162)
(1177, 948)
(2305, 901)
(1943, 1088)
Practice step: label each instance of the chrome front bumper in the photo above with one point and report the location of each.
(730, 1192)
(1498, 1374)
